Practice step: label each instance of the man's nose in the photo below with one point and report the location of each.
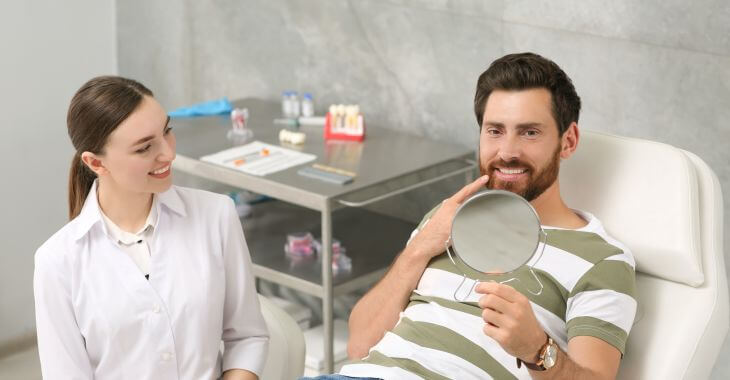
(509, 149)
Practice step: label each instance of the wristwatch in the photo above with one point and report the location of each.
(547, 358)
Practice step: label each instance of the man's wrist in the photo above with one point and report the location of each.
(535, 357)
(413, 255)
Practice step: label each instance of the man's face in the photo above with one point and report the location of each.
(519, 145)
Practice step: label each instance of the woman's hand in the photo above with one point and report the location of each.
(239, 374)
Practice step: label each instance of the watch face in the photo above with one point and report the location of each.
(551, 354)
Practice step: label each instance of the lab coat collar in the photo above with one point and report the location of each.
(90, 214)
(171, 199)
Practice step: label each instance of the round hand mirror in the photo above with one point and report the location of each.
(496, 232)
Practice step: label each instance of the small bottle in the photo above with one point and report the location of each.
(307, 105)
(294, 100)
(286, 103)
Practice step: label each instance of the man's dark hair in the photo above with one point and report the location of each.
(526, 71)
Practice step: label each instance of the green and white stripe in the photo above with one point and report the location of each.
(588, 289)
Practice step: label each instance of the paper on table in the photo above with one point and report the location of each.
(258, 158)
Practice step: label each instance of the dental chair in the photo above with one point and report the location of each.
(286, 344)
(666, 205)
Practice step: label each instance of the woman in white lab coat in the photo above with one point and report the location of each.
(147, 278)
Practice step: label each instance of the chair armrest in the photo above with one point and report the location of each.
(285, 360)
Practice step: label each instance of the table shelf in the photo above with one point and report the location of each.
(372, 241)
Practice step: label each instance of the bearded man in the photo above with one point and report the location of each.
(410, 326)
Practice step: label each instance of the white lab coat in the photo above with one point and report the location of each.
(98, 317)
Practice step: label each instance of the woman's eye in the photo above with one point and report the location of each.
(142, 150)
(167, 130)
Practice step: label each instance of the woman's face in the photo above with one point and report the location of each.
(138, 155)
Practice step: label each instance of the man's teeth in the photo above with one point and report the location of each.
(160, 171)
(512, 171)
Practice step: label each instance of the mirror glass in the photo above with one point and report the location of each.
(495, 232)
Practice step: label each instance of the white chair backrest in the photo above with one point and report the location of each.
(666, 205)
(645, 194)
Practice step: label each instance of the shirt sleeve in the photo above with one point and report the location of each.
(245, 336)
(603, 303)
(61, 347)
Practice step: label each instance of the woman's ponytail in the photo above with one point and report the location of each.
(80, 180)
(96, 110)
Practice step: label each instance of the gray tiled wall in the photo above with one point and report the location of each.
(657, 69)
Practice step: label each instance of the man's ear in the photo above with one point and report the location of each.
(93, 162)
(569, 141)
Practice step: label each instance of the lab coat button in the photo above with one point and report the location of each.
(166, 356)
(156, 309)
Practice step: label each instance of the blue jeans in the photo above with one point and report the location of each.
(337, 377)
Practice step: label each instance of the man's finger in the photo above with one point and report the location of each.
(470, 189)
(494, 318)
(494, 302)
(501, 290)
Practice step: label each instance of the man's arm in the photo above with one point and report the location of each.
(511, 322)
(587, 358)
(378, 311)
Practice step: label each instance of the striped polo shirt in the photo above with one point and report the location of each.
(588, 290)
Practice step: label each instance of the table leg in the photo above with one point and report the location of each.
(327, 299)
(469, 177)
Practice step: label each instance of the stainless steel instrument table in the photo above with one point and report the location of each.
(372, 239)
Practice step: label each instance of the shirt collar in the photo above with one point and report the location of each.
(124, 237)
(91, 214)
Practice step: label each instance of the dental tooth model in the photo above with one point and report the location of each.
(291, 137)
(344, 122)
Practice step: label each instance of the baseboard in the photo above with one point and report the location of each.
(18, 344)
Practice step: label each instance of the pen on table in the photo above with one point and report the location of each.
(240, 160)
(334, 170)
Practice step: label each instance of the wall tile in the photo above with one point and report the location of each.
(693, 25)
(153, 47)
(410, 69)
(481, 8)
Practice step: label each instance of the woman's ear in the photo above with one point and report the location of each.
(93, 162)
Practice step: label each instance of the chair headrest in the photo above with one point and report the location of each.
(646, 195)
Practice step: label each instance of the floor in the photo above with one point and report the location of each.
(21, 366)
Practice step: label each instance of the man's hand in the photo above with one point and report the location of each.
(510, 321)
(431, 239)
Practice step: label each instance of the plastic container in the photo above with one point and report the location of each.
(286, 103)
(294, 104)
(307, 105)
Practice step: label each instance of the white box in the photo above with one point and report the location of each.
(301, 314)
(314, 339)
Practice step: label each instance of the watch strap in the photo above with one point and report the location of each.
(540, 365)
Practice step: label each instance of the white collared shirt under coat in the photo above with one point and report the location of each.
(98, 317)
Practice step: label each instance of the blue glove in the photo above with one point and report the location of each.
(213, 107)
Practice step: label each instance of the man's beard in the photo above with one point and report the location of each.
(537, 183)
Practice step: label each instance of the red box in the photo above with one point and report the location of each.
(331, 133)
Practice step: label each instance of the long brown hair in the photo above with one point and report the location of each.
(96, 110)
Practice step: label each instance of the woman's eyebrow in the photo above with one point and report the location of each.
(148, 138)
